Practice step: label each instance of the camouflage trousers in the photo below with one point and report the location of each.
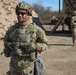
(74, 35)
(21, 66)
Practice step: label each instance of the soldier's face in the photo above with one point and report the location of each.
(22, 15)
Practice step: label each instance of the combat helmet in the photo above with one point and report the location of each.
(24, 6)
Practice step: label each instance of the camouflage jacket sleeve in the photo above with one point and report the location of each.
(41, 42)
(7, 43)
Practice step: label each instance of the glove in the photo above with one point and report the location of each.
(7, 53)
(38, 47)
(8, 45)
(7, 49)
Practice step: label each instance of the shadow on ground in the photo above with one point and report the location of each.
(59, 33)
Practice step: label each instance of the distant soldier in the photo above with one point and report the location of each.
(73, 22)
(54, 19)
(23, 42)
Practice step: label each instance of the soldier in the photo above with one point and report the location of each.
(24, 42)
(73, 22)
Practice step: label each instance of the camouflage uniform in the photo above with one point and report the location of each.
(24, 44)
(73, 22)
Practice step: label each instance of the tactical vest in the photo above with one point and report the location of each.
(23, 34)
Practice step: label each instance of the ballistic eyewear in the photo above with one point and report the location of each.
(22, 13)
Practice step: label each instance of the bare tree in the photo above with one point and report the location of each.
(44, 13)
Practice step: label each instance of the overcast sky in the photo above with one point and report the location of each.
(52, 3)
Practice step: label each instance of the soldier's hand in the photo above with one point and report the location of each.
(38, 47)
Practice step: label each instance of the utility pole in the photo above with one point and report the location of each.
(59, 5)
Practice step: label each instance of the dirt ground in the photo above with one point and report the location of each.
(59, 59)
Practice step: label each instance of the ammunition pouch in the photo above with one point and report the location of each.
(32, 56)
